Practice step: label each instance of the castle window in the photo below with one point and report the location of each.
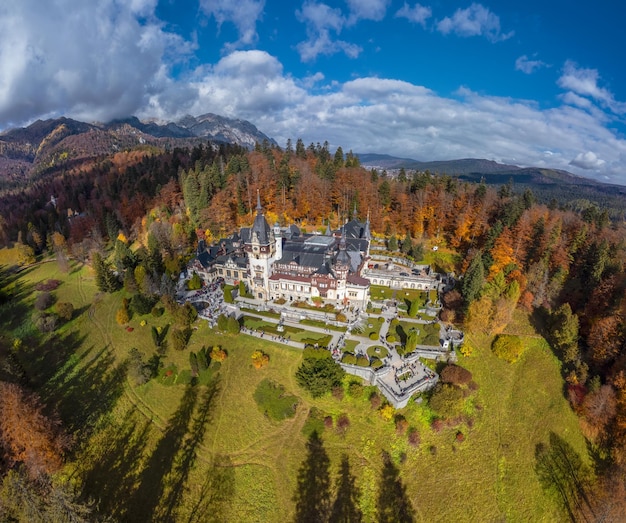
(228, 273)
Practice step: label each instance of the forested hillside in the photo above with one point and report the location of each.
(563, 268)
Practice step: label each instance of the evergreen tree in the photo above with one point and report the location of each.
(473, 280)
(407, 243)
(392, 244)
(106, 280)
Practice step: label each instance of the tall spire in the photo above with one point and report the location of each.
(354, 213)
(259, 209)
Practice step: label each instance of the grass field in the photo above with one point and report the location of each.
(181, 453)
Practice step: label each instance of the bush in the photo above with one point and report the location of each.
(44, 301)
(414, 437)
(232, 325)
(375, 400)
(318, 354)
(401, 425)
(340, 316)
(141, 304)
(218, 354)
(507, 347)
(274, 402)
(343, 423)
(375, 363)
(48, 285)
(259, 359)
(373, 336)
(180, 338)
(349, 359)
(386, 412)
(65, 310)
(456, 375)
(195, 282)
(319, 376)
(314, 422)
(121, 316)
(355, 389)
(222, 322)
(338, 392)
(157, 312)
(46, 322)
(391, 338)
(447, 400)
(362, 361)
(328, 422)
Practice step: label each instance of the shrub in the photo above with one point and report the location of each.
(338, 392)
(460, 437)
(180, 338)
(456, 375)
(343, 422)
(355, 389)
(349, 359)
(447, 400)
(46, 322)
(228, 294)
(318, 354)
(218, 354)
(259, 359)
(121, 316)
(375, 363)
(507, 347)
(222, 322)
(391, 338)
(401, 425)
(340, 316)
(43, 301)
(314, 422)
(232, 325)
(375, 400)
(274, 402)
(373, 336)
(386, 412)
(141, 304)
(65, 310)
(319, 376)
(157, 312)
(362, 361)
(48, 285)
(328, 422)
(195, 282)
(414, 437)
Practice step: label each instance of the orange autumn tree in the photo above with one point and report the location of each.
(27, 436)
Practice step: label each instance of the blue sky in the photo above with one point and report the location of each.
(527, 83)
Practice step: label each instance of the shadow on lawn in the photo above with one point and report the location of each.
(163, 480)
(312, 496)
(393, 504)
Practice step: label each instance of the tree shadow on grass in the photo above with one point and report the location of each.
(113, 465)
(312, 496)
(186, 457)
(562, 474)
(216, 492)
(393, 505)
(153, 480)
(345, 508)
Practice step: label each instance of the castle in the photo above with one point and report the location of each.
(283, 263)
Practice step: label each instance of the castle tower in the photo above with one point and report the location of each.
(261, 250)
(279, 242)
(367, 233)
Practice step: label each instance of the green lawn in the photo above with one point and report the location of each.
(175, 452)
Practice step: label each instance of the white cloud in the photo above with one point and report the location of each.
(320, 20)
(584, 82)
(92, 59)
(587, 160)
(476, 20)
(528, 66)
(244, 14)
(367, 10)
(417, 14)
(396, 117)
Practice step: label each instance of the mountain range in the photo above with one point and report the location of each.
(63, 142)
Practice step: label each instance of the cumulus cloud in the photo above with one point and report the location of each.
(244, 14)
(587, 160)
(91, 60)
(367, 10)
(321, 21)
(400, 118)
(528, 66)
(418, 14)
(584, 82)
(476, 20)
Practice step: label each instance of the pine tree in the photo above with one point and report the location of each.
(473, 280)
